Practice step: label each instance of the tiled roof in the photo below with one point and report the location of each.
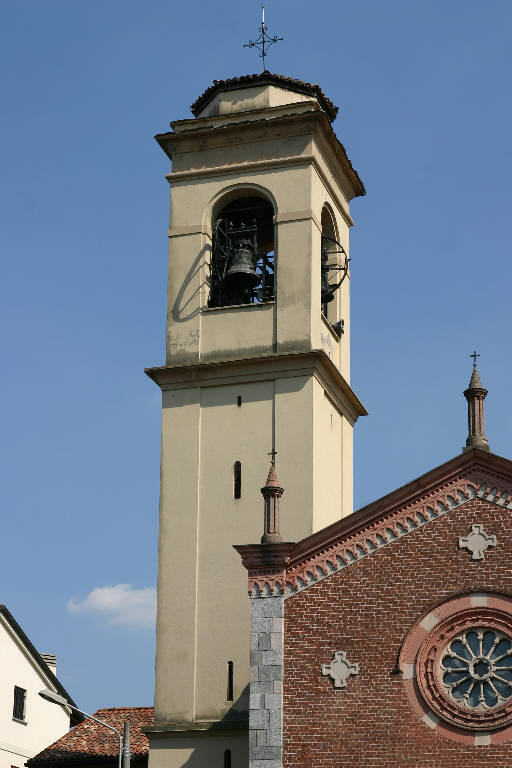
(90, 741)
(265, 78)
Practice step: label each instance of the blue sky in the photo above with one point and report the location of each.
(425, 114)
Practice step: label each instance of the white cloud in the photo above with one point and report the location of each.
(121, 605)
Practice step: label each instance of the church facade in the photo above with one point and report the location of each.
(386, 638)
(379, 637)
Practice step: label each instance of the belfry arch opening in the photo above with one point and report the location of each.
(333, 269)
(328, 238)
(242, 267)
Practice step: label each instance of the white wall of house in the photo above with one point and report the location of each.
(43, 722)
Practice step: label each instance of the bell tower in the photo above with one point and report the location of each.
(258, 359)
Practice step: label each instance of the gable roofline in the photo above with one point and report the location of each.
(399, 498)
(265, 78)
(299, 565)
(75, 717)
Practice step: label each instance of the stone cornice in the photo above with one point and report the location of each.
(238, 168)
(473, 475)
(267, 128)
(315, 362)
(265, 165)
(210, 123)
(264, 562)
(162, 730)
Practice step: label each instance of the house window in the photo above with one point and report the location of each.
(18, 710)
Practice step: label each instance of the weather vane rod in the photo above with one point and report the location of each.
(264, 41)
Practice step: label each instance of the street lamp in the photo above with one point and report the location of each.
(124, 741)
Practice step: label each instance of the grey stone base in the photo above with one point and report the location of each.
(266, 692)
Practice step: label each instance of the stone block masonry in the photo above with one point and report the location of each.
(266, 697)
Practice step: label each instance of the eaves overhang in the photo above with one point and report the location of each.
(264, 78)
(269, 121)
(84, 759)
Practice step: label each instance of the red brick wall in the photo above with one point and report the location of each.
(367, 610)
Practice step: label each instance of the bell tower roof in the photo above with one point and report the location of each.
(260, 90)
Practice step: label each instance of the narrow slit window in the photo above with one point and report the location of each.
(237, 480)
(239, 400)
(230, 681)
(227, 758)
(18, 710)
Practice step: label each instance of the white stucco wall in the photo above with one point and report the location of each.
(44, 722)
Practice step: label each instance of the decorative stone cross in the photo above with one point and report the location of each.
(340, 669)
(477, 542)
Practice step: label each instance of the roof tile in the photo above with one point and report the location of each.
(265, 78)
(90, 740)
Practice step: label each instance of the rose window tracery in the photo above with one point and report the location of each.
(476, 668)
(457, 666)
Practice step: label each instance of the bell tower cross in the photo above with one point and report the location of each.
(258, 356)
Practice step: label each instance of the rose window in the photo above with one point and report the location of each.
(463, 666)
(476, 668)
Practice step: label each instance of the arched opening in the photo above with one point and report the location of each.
(227, 758)
(333, 269)
(328, 238)
(242, 262)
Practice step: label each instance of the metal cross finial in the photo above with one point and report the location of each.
(474, 355)
(264, 41)
(273, 453)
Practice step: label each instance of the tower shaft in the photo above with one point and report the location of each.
(253, 363)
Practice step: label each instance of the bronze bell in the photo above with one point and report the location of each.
(327, 290)
(242, 272)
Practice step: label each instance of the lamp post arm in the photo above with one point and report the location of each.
(56, 698)
(102, 722)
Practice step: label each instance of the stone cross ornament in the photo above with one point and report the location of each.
(340, 669)
(477, 542)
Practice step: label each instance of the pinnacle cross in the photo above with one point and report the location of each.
(273, 453)
(264, 41)
(474, 355)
